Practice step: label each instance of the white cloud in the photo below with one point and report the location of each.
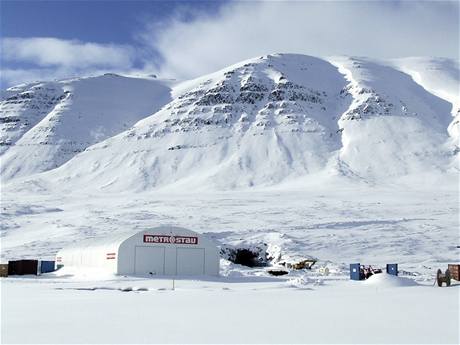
(11, 76)
(65, 53)
(37, 58)
(247, 29)
(241, 30)
(17, 76)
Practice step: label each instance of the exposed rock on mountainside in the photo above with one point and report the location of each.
(43, 125)
(259, 122)
(22, 107)
(394, 127)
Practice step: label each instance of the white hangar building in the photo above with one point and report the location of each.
(162, 250)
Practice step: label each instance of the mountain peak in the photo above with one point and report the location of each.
(255, 123)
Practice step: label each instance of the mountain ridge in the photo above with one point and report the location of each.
(272, 118)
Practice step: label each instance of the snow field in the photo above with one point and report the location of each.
(222, 311)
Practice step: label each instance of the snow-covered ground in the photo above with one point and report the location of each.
(415, 228)
(418, 229)
(129, 310)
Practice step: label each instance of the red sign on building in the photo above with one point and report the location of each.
(170, 239)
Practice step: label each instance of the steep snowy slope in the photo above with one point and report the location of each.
(442, 78)
(439, 76)
(394, 127)
(23, 106)
(254, 123)
(43, 125)
(272, 119)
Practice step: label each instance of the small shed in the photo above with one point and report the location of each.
(46, 266)
(163, 250)
(392, 269)
(21, 267)
(355, 272)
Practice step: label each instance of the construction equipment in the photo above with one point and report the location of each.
(443, 277)
(303, 264)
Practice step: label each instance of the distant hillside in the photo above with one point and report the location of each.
(257, 123)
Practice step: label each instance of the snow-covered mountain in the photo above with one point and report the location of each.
(260, 122)
(442, 78)
(43, 125)
(394, 127)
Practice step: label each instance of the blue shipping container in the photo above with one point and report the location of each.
(355, 271)
(47, 266)
(392, 269)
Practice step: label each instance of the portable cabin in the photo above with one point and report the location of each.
(392, 269)
(355, 272)
(21, 267)
(163, 250)
(47, 266)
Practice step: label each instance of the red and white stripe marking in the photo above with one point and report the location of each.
(110, 256)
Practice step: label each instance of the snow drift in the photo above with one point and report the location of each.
(385, 280)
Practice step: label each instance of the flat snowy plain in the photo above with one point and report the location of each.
(416, 227)
(221, 311)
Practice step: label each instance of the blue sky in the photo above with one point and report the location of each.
(91, 21)
(118, 23)
(184, 39)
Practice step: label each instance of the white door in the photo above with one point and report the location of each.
(190, 261)
(149, 260)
